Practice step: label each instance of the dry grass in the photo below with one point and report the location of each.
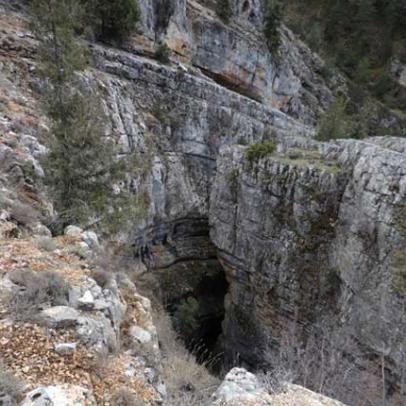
(36, 290)
(9, 385)
(123, 397)
(46, 243)
(23, 214)
(187, 381)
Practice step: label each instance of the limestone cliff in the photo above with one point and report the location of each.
(310, 235)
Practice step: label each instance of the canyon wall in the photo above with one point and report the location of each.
(312, 240)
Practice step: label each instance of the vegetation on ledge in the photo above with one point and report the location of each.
(255, 152)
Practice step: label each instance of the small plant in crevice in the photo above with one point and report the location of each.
(162, 53)
(232, 180)
(224, 10)
(255, 152)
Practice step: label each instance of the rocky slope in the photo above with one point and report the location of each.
(87, 341)
(297, 234)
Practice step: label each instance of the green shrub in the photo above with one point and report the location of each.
(334, 123)
(162, 53)
(112, 19)
(272, 22)
(185, 316)
(260, 150)
(232, 180)
(81, 163)
(223, 10)
(46, 244)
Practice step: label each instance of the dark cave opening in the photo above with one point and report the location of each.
(198, 314)
(185, 276)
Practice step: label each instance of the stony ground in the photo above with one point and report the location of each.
(28, 349)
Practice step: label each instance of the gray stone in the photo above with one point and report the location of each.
(140, 334)
(65, 348)
(239, 388)
(41, 230)
(59, 395)
(87, 300)
(73, 231)
(91, 239)
(59, 316)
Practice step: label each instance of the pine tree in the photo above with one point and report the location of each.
(272, 22)
(59, 54)
(112, 19)
(335, 123)
(81, 164)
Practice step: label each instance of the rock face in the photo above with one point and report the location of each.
(59, 395)
(313, 231)
(242, 388)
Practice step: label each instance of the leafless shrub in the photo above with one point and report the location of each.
(99, 363)
(10, 386)
(123, 397)
(23, 214)
(36, 290)
(187, 381)
(273, 381)
(46, 244)
(101, 277)
(107, 264)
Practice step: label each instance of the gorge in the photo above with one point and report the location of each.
(272, 250)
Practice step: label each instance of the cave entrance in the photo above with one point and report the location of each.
(186, 277)
(195, 292)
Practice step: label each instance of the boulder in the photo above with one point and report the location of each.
(65, 348)
(241, 388)
(91, 239)
(59, 395)
(140, 335)
(73, 231)
(59, 316)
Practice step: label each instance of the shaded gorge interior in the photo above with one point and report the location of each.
(186, 277)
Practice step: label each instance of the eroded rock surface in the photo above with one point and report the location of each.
(242, 388)
(313, 232)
